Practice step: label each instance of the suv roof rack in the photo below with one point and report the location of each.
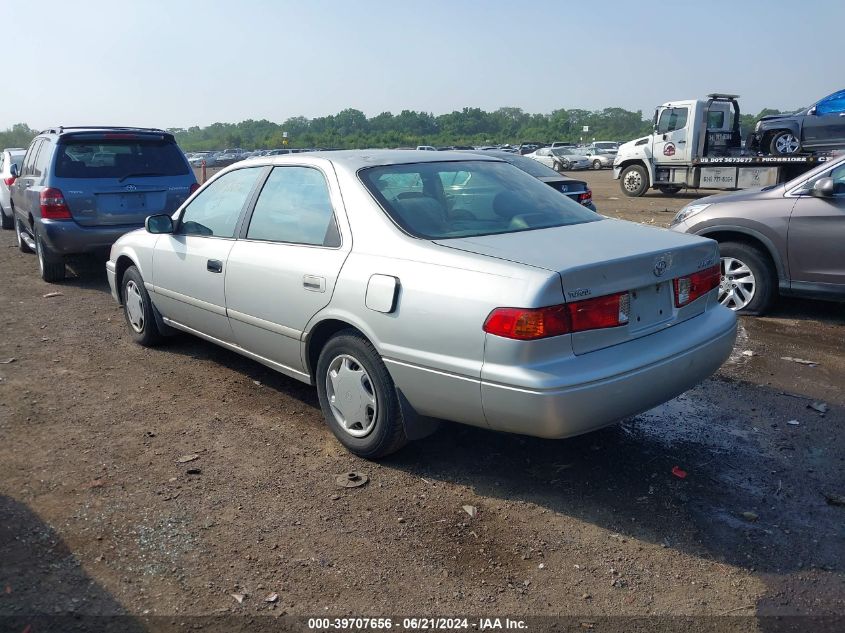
(59, 129)
(719, 95)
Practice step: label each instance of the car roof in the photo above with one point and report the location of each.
(356, 159)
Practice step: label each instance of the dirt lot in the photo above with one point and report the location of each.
(98, 515)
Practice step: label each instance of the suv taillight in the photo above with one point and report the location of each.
(688, 289)
(9, 181)
(53, 205)
(526, 324)
(586, 197)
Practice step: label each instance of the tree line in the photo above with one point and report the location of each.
(351, 129)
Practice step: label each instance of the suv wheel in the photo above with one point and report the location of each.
(784, 144)
(51, 267)
(138, 309)
(358, 397)
(748, 279)
(23, 247)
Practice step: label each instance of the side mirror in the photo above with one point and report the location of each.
(823, 188)
(14, 170)
(160, 223)
(812, 110)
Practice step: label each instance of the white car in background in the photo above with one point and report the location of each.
(8, 157)
(560, 158)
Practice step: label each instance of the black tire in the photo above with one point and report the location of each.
(8, 221)
(22, 246)
(761, 267)
(51, 267)
(387, 434)
(596, 164)
(634, 181)
(780, 137)
(669, 190)
(146, 333)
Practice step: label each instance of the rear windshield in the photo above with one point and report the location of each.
(119, 159)
(469, 198)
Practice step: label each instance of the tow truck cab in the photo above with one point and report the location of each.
(698, 144)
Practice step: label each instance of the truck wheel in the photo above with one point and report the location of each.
(669, 190)
(784, 144)
(748, 278)
(634, 181)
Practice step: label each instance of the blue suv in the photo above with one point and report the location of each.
(80, 188)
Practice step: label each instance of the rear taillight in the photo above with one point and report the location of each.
(688, 289)
(193, 188)
(586, 197)
(53, 205)
(529, 324)
(9, 181)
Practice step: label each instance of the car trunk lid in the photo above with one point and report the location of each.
(606, 257)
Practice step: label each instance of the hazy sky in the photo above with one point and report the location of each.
(178, 63)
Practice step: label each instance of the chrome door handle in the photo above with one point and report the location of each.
(314, 283)
(214, 266)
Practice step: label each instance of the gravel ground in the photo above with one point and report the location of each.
(99, 516)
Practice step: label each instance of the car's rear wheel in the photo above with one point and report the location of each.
(358, 397)
(8, 221)
(784, 143)
(23, 247)
(51, 267)
(747, 283)
(634, 181)
(138, 309)
(596, 164)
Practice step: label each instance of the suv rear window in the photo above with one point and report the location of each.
(119, 159)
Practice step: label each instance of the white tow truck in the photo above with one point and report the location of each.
(697, 144)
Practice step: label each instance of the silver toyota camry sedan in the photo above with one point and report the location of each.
(412, 287)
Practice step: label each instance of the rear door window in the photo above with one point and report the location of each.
(42, 159)
(29, 161)
(78, 158)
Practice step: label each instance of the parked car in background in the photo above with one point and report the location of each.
(820, 127)
(576, 190)
(197, 158)
(8, 157)
(228, 156)
(529, 146)
(606, 146)
(414, 286)
(782, 239)
(599, 158)
(80, 188)
(427, 148)
(562, 144)
(279, 152)
(561, 158)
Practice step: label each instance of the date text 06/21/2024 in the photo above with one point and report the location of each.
(415, 624)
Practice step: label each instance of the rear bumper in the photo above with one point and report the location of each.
(617, 382)
(66, 237)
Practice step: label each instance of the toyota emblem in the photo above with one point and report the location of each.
(130, 187)
(660, 267)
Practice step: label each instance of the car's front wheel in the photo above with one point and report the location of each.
(784, 143)
(51, 267)
(138, 309)
(747, 282)
(358, 397)
(596, 164)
